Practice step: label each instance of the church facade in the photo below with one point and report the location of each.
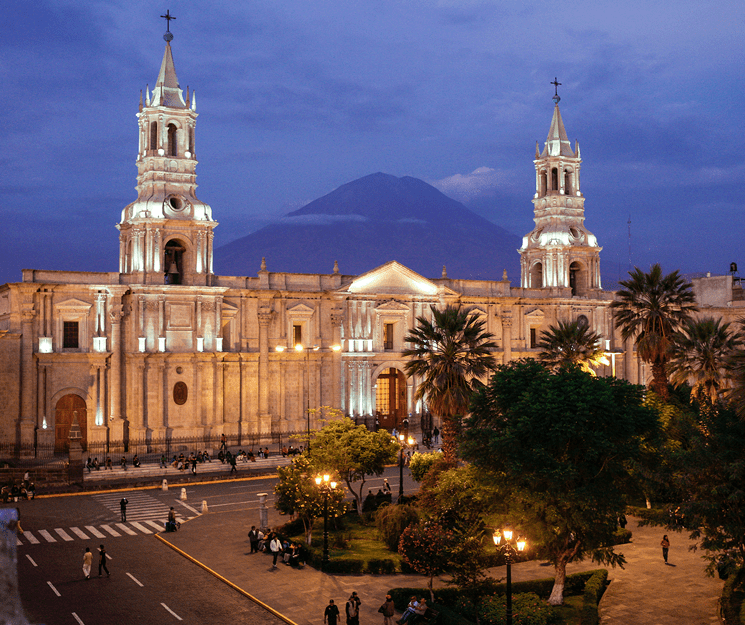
(165, 348)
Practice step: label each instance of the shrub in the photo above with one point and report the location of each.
(594, 589)
(392, 520)
(344, 566)
(527, 609)
(421, 464)
(385, 566)
(621, 536)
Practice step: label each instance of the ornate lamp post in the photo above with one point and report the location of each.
(326, 487)
(404, 444)
(506, 547)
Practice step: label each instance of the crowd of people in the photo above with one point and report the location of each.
(13, 492)
(287, 552)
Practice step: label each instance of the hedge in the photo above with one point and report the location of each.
(594, 589)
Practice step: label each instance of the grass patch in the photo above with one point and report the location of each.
(571, 612)
(354, 547)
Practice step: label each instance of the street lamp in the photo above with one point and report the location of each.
(324, 484)
(403, 445)
(509, 552)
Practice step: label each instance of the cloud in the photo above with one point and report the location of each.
(321, 220)
(481, 182)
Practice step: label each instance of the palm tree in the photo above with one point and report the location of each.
(736, 375)
(450, 353)
(652, 307)
(699, 354)
(571, 342)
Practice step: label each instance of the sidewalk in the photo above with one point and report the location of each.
(646, 592)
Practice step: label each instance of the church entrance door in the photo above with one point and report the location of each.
(390, 399)
(67, 407)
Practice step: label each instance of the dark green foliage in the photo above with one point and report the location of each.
(622, 536)
(527, 609)
(594, 589)
(392, 520)
(571, 343)
(559, 446)
(381, 566)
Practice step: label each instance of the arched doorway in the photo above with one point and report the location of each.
(390, 398)
(67, 407)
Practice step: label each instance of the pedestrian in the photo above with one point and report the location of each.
(231, 460)
(123, 463)
(436, 435)
(353, 609)
(193, 464)
(162, 461)
(253, 538)
(102, 561)
(276, 548)
(87, 563)
(388, 609)
(386, 487)
(665, 542)
(123, 505)
(331, 614)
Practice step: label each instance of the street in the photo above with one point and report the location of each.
(149, 583)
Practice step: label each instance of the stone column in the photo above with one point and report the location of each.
(116, 422)
(506, 337)
(336, 320)
(265, 318)
(28, 380)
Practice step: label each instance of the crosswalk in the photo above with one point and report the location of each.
(141, 507)
(90, 532)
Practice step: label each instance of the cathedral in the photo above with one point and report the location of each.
(164, 348)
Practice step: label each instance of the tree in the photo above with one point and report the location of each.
(298, 494)
(709, 476)
(652, 307)
(426, 548)
(736, 374)
(571, 343)
(699, 355)
(353, 452)
(450, 354)
(558, 446)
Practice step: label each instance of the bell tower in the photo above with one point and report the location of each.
(559, 251)
(166, 234)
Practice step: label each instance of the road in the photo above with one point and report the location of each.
(149, 583)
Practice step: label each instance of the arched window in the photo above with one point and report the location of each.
(554, 179)
(577, 277)
(153, 135)
(583, 321)
(191, 141)
(172, 140)
(544, 183)
(173, 265)
(567, 182)
(536, 276)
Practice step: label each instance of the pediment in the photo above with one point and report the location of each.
(536, 313)
(479, 311)
(396, 279)
(228, 310)
(300, 309)
(73, 303)
(392, 306)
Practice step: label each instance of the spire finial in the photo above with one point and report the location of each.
(336, 266)
(556, 84)
(444, 272)
(263, 264)
(168, 37)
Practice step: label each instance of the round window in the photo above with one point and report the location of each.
(176, 203)
(180, 393)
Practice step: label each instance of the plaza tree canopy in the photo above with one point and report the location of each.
(560, 443)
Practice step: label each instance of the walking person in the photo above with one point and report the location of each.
(331, 614)
(123, 505)
(87, 563)
(102, 561)
(276, 548)
(353, 609)
(231, 460)
(665, 542)
(388, 610)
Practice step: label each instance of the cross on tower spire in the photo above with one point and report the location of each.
(168, 17)
(556, 84)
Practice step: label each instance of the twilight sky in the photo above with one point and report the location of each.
(298, 97)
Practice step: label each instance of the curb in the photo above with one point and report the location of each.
(227, 581)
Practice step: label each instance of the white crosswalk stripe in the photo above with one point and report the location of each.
(104, 531)
(141, 507)
(94, 531)
(113, 532)
(63, 534)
